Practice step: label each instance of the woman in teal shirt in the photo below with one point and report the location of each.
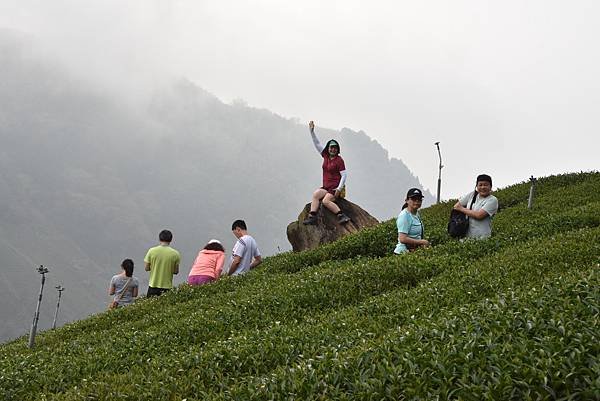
(410, 226)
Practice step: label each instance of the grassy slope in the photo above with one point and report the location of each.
(514, 316)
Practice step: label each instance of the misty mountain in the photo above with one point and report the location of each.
(89, 179)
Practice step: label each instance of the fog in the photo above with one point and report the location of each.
(89, 177)
(509, 88)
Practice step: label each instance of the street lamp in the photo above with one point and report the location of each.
(60, 289)
(42, 270)
(439, 187)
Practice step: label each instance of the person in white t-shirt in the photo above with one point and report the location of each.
(484, 208)
(245, 254)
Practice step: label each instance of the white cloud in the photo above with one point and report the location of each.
(509, 88)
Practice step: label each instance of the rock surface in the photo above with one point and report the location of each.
(327, 229)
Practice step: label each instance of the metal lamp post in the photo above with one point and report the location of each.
(439, 186)
(60, 289)
(42, 270)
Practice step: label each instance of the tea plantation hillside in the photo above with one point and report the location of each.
(516, 316)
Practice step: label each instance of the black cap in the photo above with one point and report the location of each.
(414, 193)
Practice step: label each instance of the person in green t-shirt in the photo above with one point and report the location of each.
(162, 262)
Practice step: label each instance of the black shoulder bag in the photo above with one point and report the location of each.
(459, 222)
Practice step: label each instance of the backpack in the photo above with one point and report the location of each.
(459, 222)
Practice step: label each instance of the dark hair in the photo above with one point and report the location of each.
(485, 178)
(165, 236)
(127, 265)
(239, 224)
(405, 205)
(214, 246)
(334, 143)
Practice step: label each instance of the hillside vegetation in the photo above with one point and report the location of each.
(89, 177)
(515, 316)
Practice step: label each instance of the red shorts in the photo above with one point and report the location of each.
(331, 191)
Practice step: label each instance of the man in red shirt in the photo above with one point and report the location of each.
(334, 179)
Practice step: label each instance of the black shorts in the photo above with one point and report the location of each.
(154, 291)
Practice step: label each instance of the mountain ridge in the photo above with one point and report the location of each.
(90, 179)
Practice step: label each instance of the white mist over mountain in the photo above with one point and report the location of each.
(89, 177)
(508, 88)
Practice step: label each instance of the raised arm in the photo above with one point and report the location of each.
(318, 146)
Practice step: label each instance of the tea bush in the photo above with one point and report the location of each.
(514, 316)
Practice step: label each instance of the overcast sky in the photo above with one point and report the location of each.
(509, 88)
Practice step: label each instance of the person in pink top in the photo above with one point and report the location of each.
(208, 264)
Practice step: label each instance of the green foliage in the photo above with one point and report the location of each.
(74, 183)
(515, 316)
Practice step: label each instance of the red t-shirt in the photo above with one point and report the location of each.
(331, 170)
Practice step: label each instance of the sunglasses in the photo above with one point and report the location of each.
(416, 198)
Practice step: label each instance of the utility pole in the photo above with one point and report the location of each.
(42, 270)
(531, 192)
(439, 187)
(60, 289)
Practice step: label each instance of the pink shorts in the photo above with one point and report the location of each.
(199, 280)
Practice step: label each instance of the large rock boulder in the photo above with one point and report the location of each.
(327, 229)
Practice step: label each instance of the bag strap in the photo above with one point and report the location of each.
(473, 200)
(123, 290)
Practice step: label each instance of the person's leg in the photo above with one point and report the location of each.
(155, 291)
(199, 280)
(329, 203)
(314, 206)
(316, 198)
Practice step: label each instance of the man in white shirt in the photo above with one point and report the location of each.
(246, 255)
(483, 210)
